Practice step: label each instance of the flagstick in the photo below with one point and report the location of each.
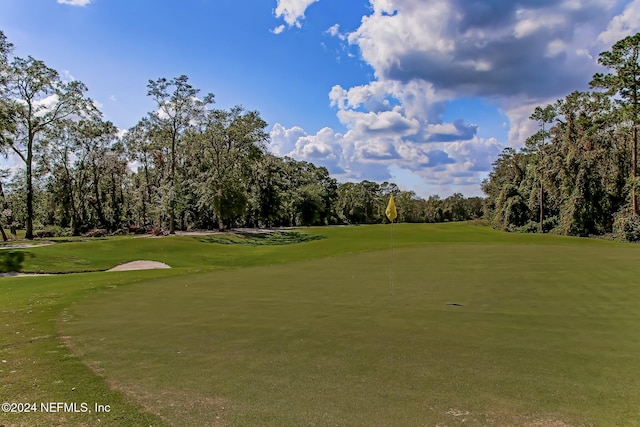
(392, 215)
(391, 269)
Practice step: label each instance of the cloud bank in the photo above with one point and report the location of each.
(513, 54)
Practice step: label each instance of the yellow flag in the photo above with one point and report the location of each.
(391, 210)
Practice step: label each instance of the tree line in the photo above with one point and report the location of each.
(184, 165)
(578, 174)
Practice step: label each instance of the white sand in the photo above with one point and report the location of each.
(133, 265)
(14, 274)
(140, 265)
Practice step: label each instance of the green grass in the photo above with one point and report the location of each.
(188, 251)
(19, 234)
(35, 363)
(545, 331)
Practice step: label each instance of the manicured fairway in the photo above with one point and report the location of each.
(483, 328)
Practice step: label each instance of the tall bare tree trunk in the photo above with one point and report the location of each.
(219, 202)
(29, 221)
(172, 214)
(634, 165)
(4, 234)
(541, 207)
(5, 206)
(634, 131)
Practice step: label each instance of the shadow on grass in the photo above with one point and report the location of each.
(11, 261)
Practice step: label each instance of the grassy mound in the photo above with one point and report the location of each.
(258, 239)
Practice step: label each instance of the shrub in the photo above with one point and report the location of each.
(158, 231)
(626, 226)
(96, 232)
(529, 227)
(134, 229)
(51, 231)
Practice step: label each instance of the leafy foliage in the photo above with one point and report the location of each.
(260, 239)
(575, 183)
(184, 165)
(34, 100)
(626, 227)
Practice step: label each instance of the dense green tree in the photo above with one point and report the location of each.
(582, 171)
(361, 203)
(6, 215)
(455, 208)
(267, 192)
(143, 148)
(536, 144)
(221, 154)
(5, 51)
(178, 108)
(6, 116)
(310, 193)
(65, 183)
(624, 81)
(37, 100)
(507, 207)
(433, 209)
(588, 164)
(87, 173)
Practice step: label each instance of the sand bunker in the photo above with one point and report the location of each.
(133, 265)
(17, 274)
(140, 265)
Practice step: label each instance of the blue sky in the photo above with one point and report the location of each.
(426, 93)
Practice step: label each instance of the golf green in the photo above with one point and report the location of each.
(482, 328)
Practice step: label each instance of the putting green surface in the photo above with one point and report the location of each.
(540, 334)
(483, 328)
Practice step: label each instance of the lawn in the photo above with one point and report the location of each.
(483, 328)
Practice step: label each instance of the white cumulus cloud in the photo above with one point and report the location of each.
(279, 29)
(512, 54)
(292, 11)
(622, 25)
(334, 31)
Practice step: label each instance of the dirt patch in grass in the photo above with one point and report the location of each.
(25, 245)
(176, 408)
(506, 418)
